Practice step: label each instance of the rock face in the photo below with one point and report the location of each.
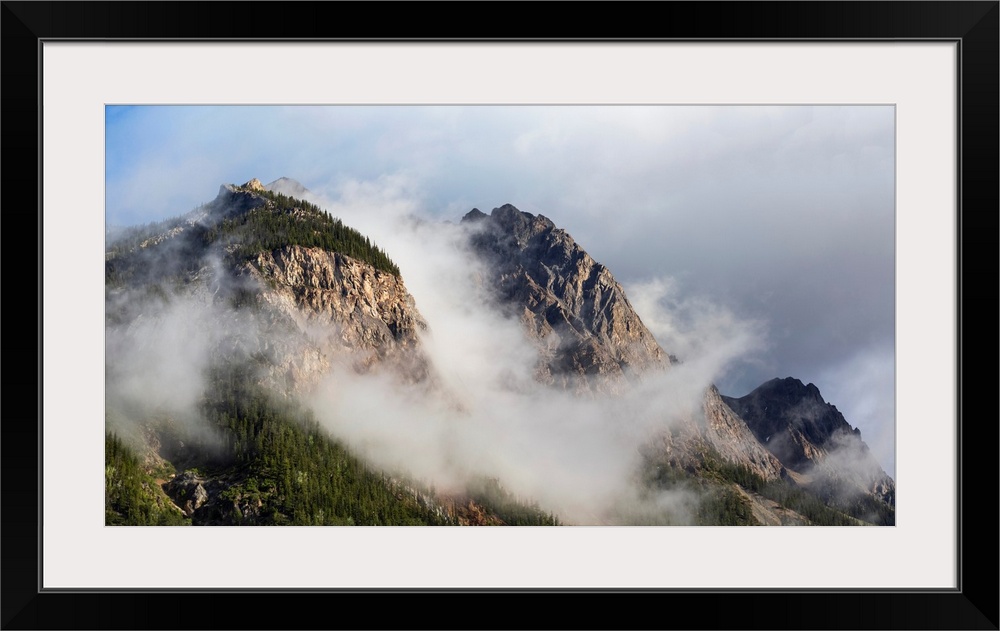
(729, 436)
(254, 185)
(810, 436)
(571, 305)
(717, 432)
(187, 490)
(363, 313)
(298, 310)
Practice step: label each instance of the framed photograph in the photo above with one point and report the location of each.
(113, 99)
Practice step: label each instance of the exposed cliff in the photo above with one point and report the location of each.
(346, 307)
(571, 305)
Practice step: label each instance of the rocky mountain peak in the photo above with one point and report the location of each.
(233, 200)
(779, 406)
(474, 215)
(509, 216)
(571, 305)
(790, 390)
(288, 186)
(253, 185)
(809, 435)
(519, 225)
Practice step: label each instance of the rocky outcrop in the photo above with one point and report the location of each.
(713, 432)
(187, 490)
(588, 335)
(296, 312)
(254, 185)
(812, 437)
(729, 436)
(347, 307)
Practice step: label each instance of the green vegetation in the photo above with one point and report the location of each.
(282, 468)
(715, 501)
(131, 495)
(172, 261)
(781, 491)
(725, 506)
(270, 463)
(861, 506)
(275, 221)
(871, 510)
(714, 481)
(130, 238)
(287, 221)
(513, 512)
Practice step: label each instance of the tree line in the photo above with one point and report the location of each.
(279, 221)
(289, 221)
(132, 496)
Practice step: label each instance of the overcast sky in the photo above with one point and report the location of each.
(781, 218)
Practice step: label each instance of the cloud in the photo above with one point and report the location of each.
(486, 414)
(780, 216)
(707, 337)
(857, 388)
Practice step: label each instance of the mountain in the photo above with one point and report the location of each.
(810, 436)
(224, 323)
(316, 292)
(288, 186)
(590, 338)
(592, 341)
(216, 323)
(571, 305)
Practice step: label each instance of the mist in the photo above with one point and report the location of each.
(481, 413)
(486, 414)
(753, 242)
(783, 215)
(157, 364)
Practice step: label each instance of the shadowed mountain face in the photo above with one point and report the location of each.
(571, 305)
(792, 419)
(810, 436)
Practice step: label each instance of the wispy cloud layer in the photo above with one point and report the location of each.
(780, 217)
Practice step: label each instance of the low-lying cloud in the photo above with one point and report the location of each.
(577, 455)
(482, 413)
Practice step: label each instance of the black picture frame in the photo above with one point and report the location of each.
(975, 26)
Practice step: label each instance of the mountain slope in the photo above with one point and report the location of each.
(216, 322)
(316, 292)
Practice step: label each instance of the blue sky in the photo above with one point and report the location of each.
(778, 216)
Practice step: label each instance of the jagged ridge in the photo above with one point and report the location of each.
(576, 311)
(811, 436)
